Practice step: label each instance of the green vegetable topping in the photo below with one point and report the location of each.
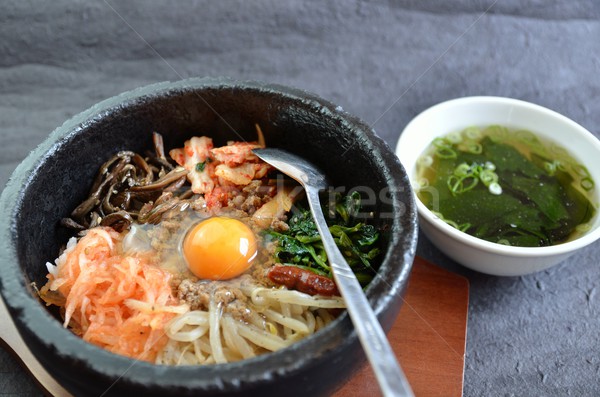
(444, 149)
(200, 166)
(465, 177)
(301, 244)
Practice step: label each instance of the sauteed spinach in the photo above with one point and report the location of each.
(301, 244)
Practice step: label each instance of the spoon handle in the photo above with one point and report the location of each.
(392, 380)
(10, 339)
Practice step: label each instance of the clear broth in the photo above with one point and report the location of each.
(507, 186)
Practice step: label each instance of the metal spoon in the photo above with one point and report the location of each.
(392, 380)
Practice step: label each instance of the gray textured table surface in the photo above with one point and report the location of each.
(384, 61)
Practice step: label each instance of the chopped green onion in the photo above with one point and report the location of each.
(463, 169)
(439, 142)
(454, 137)
(446, 153)
(451, 223)
(425, 161)
(495, 188)
(550, 167)
(472, 133)
(453, 182)
(471, 147)
(581, 170)
(559, 150)
(437, 214)
(465, 177)
(464, 227)
(422, 183)
(457, 185)
(587, 184)
(488, 177)
(443, 150)
(527, 137)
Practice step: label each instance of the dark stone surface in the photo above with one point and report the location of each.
(382, 61)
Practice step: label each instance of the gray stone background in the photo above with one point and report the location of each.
(384, 61)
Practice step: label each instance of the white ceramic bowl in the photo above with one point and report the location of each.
(457, 114)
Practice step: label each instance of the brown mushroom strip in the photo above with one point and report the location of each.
(100, 186)
(159, 146)
(85, 208)
(127, 189)
(186, 195)
(176, 185)
(163, 182)
(100, 179)
(94, 219)
(71, 224)
(159, 159)
(117, 220)
(155, 215)
(143, 165)
(107, 207)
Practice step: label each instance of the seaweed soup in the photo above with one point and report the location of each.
(506, 186)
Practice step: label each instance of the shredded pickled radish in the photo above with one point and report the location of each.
(115, 301)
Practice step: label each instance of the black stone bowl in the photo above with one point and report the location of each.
(56, 176)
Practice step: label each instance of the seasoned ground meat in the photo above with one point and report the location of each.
(226, 295)
(279, 225)
(251, 204)
(199, 204)
(194, 294)
(255, 195)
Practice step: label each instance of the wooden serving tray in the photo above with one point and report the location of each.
(428, 337)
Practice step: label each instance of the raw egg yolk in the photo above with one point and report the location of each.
(219, 248)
